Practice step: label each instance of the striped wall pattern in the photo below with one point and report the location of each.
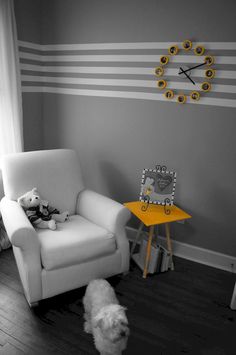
(124, 70)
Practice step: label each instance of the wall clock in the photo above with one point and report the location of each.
(185, 73)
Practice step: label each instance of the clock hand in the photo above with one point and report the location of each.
(196, 66)
(187, 75)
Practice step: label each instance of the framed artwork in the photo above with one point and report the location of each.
(158, 186)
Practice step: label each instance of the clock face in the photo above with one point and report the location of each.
(189, 74)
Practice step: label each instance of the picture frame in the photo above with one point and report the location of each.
(158, 186)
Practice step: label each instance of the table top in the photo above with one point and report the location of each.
(155, 213)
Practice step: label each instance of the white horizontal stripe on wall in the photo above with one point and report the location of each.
(124, 46)
(221, 74)
(124, 82)
(127, 95)
(123, 58)
(88, 70)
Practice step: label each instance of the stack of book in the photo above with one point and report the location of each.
(160, 260)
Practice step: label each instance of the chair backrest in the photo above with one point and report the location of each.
(56, 174)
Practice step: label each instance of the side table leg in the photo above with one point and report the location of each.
(169, 245)
(136, 238)
(233, 301)
(148, 251)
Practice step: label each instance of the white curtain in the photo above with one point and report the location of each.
(11, 126)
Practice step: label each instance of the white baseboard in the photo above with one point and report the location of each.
(197, 254)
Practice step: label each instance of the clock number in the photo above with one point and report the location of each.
(169, 94)
(199, 50)
(159, 71)
(187, 45)
(164, 59)
(209, 60)
(173, 50)
(195, 96)
(210, 73)
(206, 86)
(161, 84)
(181, 99)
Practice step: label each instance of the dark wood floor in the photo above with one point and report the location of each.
(185, 311)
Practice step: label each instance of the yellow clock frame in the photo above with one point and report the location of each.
(173, 50)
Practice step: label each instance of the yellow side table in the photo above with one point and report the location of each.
(155, 215)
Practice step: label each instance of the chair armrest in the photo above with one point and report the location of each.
(102, 210)
(19, 229)
(108, 214)
(26, 244)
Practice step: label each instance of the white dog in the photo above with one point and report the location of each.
(105, 318)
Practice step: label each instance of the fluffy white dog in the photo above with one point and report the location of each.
(105, 318)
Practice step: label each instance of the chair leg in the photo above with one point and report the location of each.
(148, 251)
(169, 245)
(136, 238)
(125, 273)
(33, 304)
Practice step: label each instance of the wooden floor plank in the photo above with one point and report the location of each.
(185, 311)
(9, 349)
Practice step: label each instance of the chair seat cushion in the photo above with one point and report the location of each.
(75, 241)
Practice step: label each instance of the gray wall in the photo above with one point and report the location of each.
(117, 138)
(85, 21)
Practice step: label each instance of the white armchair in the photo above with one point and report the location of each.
(92, 244)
